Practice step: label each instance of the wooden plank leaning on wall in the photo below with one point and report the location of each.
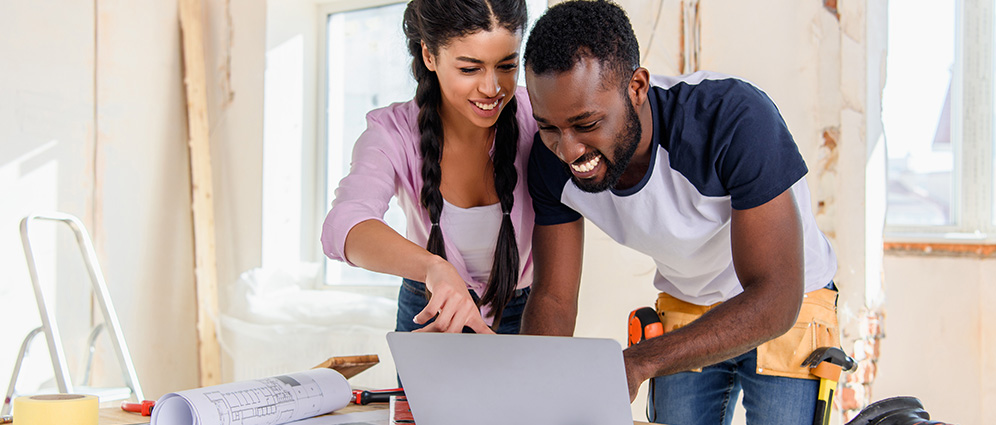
(201, 198)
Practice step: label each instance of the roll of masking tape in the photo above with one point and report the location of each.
(55, 409)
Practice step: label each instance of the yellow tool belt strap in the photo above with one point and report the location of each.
(783, 356)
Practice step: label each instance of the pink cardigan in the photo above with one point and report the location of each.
(386, 163)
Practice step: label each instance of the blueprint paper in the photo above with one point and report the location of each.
(268, 401)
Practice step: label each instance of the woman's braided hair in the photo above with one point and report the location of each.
(435, 23)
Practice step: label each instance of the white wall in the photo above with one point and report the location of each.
(46, 154)
(939, 343)
(94, 124)
(290, 110)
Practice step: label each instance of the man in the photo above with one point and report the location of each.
(700, 173)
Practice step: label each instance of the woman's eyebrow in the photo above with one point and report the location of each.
(478, 61)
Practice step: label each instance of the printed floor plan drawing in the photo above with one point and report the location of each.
(268, 401)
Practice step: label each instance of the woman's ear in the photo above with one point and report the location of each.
(428, 58)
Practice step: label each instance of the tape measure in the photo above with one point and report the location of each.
(644, 323)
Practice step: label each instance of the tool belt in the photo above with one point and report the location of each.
(783, 356)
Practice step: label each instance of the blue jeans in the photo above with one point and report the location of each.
(708, 397)
(411, 300)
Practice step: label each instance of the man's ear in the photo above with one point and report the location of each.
(639, 85)
(428, 58)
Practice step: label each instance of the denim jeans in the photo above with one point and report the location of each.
(411, 300)
(709, 396)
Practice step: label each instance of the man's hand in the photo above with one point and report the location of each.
(634, 374)
(450, 303)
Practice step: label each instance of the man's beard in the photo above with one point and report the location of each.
(629, 139)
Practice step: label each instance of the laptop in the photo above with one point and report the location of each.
(461, 379)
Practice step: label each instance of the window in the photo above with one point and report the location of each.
(937, 110)
(367, 66)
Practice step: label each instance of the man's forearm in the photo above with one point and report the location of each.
(767, 249)
(548, 315)
(552, 307)
(716, 336)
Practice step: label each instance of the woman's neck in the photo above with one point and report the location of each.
(459, 130)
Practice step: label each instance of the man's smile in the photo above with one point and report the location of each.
(583, 168)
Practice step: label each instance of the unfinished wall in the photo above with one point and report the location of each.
(94, 124)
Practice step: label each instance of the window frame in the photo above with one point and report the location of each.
(972, 121)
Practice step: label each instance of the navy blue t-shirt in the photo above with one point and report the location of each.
(721, 144)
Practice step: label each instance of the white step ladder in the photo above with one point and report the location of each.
(51, 330)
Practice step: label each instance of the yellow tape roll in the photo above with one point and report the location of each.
(55, 409)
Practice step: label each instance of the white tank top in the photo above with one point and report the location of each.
(474, 232)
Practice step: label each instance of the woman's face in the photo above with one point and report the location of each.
(477, 74)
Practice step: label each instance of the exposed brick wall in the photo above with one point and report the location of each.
(856, 391)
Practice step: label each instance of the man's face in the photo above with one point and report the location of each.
(592, 127)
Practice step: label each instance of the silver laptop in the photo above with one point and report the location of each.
(471, 379)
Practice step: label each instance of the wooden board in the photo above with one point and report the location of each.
(202, 207)
(350, 366)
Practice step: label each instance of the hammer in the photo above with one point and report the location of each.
(827, 363)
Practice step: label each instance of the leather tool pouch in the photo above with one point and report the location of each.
(783, 356)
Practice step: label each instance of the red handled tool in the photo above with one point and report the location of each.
(644, 323)
(364, 397)
(145, 407)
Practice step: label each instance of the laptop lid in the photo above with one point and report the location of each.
(461, 379)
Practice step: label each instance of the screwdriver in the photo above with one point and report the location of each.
(364, 397)
(144, 407)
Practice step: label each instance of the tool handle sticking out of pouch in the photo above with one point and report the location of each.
(827, 363)
(644, 323)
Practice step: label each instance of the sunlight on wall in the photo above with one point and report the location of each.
(282, 152)
(28, 180)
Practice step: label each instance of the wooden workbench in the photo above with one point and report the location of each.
(115, 416)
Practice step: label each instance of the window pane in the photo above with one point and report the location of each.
(368, 68)
(917, 112)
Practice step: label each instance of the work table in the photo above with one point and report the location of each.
(116, 416)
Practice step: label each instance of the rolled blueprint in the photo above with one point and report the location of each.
(269, 401)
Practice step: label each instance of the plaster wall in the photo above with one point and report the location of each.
(94, 124)
(46, 160)
(939, 342)
(141, 189)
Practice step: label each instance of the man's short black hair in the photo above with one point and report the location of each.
(575, 29)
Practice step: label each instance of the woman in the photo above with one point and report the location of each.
(455, 156)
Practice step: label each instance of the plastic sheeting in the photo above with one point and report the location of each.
(277, 321)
